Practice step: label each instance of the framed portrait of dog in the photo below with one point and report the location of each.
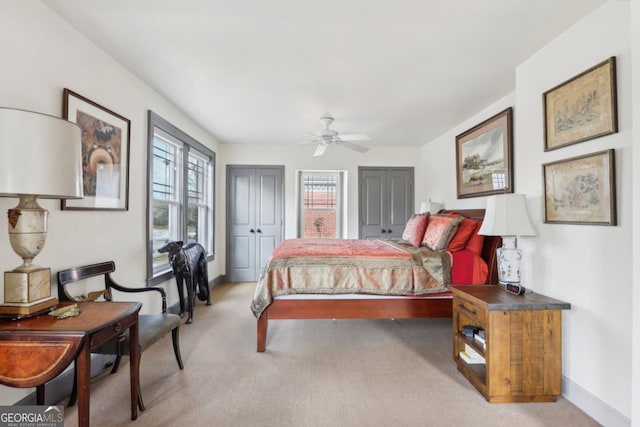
(105, 154)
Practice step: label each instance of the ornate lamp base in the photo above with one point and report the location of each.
(27, 292)
(509, 258)
(15, 311)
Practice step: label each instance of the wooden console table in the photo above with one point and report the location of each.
(34, 351)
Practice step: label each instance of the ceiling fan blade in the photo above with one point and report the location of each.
(306, 142)
(352, 146)
(354, 137)
(320, 149)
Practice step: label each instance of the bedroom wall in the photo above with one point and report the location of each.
(41, 55)
(300, 157)
(634, 18)
(588, 266)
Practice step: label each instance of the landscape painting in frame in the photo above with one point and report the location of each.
(105, 154)
(483, 157)
(581, 190)
(581, 108)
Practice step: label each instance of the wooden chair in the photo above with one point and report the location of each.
(151, 327)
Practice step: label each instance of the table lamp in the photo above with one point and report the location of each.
(40, 157)
(506, 216)
(431, 207)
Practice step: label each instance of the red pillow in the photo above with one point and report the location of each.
(476, 241)
(465, 230)
(415, 228)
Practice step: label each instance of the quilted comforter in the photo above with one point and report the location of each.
(347, 266)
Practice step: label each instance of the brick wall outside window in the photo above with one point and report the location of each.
(319, 208)
(319, 223)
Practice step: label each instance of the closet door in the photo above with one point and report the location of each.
(255, 222)
(241, 242)
(399, 199)
(386, 201)
(372, 209)
(269, 214)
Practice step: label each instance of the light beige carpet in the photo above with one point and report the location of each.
(314, 373)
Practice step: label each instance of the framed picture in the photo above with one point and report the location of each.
(581, 190)
(581, 108)
(105, 154)
(484, 157)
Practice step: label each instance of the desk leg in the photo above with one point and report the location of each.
(40, 394)
(134, 362)
(84, 383)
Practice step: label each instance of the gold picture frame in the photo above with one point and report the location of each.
(484, 157)
(582, 108)
(581, 190)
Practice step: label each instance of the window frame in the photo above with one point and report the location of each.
(340, 199)
(187, 142)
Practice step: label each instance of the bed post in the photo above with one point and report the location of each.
(263, 322)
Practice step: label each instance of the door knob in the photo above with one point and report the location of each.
(252, 231)
(259, 231)
(389, 231)
(383, 230)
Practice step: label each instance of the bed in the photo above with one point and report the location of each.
(286, 292)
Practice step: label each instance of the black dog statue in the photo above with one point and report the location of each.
(189, 264)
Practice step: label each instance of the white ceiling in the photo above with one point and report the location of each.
(264, 71)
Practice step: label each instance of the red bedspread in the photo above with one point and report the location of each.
(468, 268)
(339, 266)
(343, 248)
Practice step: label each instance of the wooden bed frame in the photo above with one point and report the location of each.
(374, 308)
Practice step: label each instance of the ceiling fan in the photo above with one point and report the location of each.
(326, 137)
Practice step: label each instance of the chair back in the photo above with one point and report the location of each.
(76, 274)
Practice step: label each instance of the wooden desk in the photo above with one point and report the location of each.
(34, 351)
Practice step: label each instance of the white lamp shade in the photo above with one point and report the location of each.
(435, 207)
(431, 207)
(506, 215)
(40, 155)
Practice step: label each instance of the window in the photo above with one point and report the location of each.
(181, 202)
(320, 204)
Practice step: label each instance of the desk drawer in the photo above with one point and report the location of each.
(110, 332)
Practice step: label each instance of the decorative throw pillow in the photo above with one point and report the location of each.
(440, 230)
(476, 241)
(415, 228)
(465, 230)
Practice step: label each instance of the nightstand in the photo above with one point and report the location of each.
(515, 354)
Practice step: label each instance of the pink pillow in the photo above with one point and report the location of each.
(415, 228)
(440, 230)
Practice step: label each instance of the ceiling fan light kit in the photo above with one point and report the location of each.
(320, 149)
(327, 136)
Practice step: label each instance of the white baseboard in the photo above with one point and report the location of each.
(592, 406)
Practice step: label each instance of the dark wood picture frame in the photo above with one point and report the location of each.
(581, 108)
(105, 154)
(581, 190)
(484, 157)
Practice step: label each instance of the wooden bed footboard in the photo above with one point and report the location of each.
(370, 308)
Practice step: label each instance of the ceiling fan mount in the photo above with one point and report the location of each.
(326, 137)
